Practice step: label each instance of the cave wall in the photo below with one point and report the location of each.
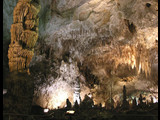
(118, 37)
(8, 7)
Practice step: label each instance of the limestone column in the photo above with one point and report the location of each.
(24, 34)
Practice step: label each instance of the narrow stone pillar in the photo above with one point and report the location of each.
(76, 95)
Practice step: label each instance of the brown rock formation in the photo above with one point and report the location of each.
(24, 34)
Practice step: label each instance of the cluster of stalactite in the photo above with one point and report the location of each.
(134, 56)
(24, 34)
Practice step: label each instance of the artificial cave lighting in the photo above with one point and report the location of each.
(4, 91)
(46, 110)
(90, 95)
(75, 56)
(70, 112)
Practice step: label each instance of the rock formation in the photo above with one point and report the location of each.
(24, 34)
(109, 40)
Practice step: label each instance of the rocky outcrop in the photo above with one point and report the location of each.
(24, 34)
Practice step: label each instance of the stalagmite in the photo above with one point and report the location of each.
(24, 34)
(76, 96)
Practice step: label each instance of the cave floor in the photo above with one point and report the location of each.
(90, 114)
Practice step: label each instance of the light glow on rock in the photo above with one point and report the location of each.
(54, 94)
(46, 110)
(70, 112)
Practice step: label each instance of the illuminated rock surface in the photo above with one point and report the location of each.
(24, 34)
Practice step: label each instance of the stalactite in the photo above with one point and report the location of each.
(133, 57)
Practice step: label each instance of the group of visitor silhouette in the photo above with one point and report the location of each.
(110, 104)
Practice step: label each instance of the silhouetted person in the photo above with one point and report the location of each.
(141, 104)
(134, 104)
(151, 100)
(140, 99)
(68, 103)
(125, 104)
(76, 106)
(124, 93)
(100, 105)
(118, 104)
(87, 102)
